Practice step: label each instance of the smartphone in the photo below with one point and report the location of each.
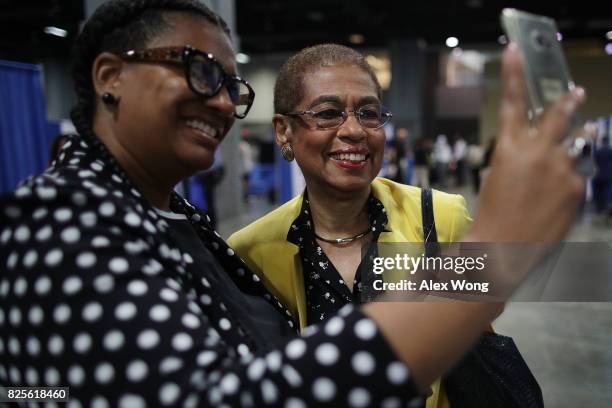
(546, 74)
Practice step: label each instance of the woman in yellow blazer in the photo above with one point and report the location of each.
(329, 118)
(264, 246)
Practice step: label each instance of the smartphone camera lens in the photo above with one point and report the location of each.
(541, 40)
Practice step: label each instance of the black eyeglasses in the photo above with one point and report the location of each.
(203, 72)
(372, 116)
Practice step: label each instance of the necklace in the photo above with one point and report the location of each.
(344, 240)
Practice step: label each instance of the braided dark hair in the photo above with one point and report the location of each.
(117, 26)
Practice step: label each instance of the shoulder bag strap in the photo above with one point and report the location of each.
(430, 236)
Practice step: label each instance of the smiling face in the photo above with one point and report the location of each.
(344, 159)
(161, 122)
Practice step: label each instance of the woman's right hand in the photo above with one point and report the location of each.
(531, 195)
(532, 192)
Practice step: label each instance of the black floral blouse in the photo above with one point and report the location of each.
(326, 291)
(96, 295)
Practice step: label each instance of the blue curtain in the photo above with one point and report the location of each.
(196, 193)
(25, 134)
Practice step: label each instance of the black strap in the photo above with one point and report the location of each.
(430, 236)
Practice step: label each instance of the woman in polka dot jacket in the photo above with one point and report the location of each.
(116, 287)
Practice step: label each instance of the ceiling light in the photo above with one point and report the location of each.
(56, 31)
(609, 35)
(608, 49)
(356, 38)
(559, 36)
(242, 58)
(452, 42)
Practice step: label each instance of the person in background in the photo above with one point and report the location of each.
(459, 153)
(422, 158)
(247, 162)
(443, 156)
(210, 179)
(391, 169)
(267, 158)
(602, 182)
(474, 160)
(400, 145)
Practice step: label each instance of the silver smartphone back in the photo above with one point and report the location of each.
(546, 71)
(547, 75)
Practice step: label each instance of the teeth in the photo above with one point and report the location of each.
(354, 157)
(202, 127)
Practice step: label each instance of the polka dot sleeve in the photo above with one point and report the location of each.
(88, 301)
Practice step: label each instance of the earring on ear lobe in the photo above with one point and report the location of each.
(287, 152)
(109, 99)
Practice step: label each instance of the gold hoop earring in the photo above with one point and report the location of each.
(287, 152)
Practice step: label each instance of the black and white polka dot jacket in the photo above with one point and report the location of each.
(95, 296)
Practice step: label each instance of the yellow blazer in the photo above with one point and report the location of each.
(264, 247)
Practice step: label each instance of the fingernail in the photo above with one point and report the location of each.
(579, 93)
